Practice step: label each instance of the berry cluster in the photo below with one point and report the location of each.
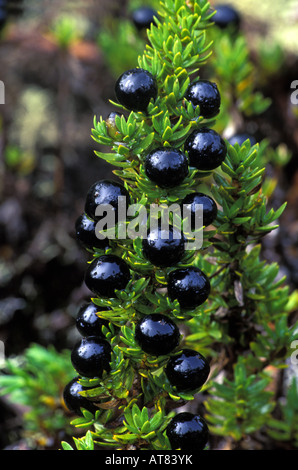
(91, 355)
(156, 334)
(168, 167)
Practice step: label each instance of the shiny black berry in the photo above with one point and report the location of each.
(188, 370)
(105, 192)
(209, 208)
(91, 356)
(190, 286)
(88, 322)
(226, 16)
(142, 17)
(164, 247)
(206, 95)
(187, 431)
(106, 274)
(135, 88)
(206, 149)
(85, 234)
(241, 138)
(157, 334)
(74, 401)
(166, 167)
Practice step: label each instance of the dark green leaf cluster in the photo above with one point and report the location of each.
(239, 406)
(234, 69)
(286, 429)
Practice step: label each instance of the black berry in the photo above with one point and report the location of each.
(206, 95)
(188, 370)
(87, 322)
(209, 208)
(166, 167)
(157, 334)
(85, 234)
(241, 138)
(187, 431)
(190, 286)
(106, 274)
(206, 149)
(142, 17)
(91, 356)
(135, 88)
(161, 251)
(74, 401)
(226, 16)
(105, 192)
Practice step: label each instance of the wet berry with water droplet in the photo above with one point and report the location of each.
(164, 247)
(88, 323)
(157, 334)
(105, 192)
(91, 356)
(187, 431)
(205, 94)
(135, 88)
(166, 167)
(106, 274)
(208, 204)
(190, 286)
(74, 401)
(206, 149)
(188, 370)
(86, 234)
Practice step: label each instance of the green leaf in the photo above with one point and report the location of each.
(66, 446)
(241, 220)
(144, 144)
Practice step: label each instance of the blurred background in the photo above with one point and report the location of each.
(59, 61)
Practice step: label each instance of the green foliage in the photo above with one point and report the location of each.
(139, 426)
(83, 443)
(235, 72)
(239, 406)
(244, 327)
(68, 29)
(286, 428)
(36, 381)
(120, 45)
